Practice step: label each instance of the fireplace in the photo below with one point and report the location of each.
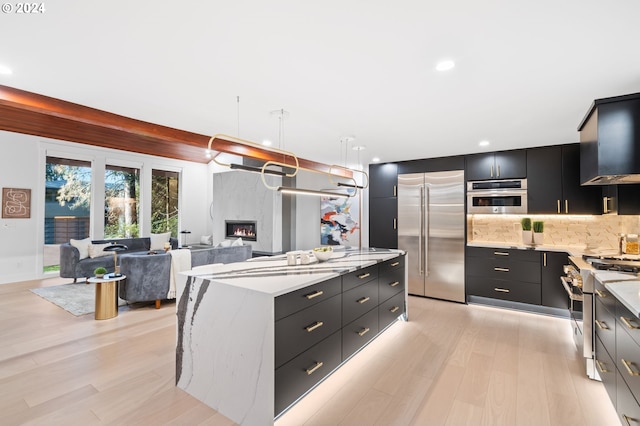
(246, 229)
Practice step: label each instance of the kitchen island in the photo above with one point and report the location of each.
(254, 336)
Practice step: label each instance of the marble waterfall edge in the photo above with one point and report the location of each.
(224, 356)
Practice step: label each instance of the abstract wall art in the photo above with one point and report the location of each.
(340, 221)
(16, 203)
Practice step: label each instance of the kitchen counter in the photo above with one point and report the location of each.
(628, 293)
(226, 323)
(572, 250)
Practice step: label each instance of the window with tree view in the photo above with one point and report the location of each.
(66, 206)
(164, 202)
(121, 201)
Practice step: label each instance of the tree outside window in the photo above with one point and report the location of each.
(122, 197)
(164, 202)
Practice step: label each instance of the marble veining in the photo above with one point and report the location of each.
(628, 293)
(225, 338)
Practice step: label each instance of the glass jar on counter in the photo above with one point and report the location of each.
(631, 246)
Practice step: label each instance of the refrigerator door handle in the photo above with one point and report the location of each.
(421, 236)
(425, 232)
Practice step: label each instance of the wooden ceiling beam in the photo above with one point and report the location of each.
(39, 115)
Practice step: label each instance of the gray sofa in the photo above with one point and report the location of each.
(148, 275)
(71, 266)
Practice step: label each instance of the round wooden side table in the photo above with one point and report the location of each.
(106, 296)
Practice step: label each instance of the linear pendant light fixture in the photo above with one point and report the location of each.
(301, 191)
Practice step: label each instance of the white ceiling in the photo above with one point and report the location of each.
(526, 72)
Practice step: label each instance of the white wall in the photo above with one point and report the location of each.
(22, 165)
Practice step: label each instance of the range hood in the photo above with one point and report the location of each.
(610, 141)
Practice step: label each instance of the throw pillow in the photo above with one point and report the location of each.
(207, 240)
(158, 240)
(225, 243)
(82, 246)
(97, 250)
(237, 242)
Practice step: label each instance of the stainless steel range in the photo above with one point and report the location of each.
(579, 283)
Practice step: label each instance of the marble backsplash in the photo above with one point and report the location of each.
(559, 230)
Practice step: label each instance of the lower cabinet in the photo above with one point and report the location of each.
(524, 276)
(321, 326)
(617, 347)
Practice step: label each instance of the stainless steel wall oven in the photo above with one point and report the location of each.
(497, 196)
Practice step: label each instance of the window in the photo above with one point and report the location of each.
(121, 199)
(67, 205)
(164, 202)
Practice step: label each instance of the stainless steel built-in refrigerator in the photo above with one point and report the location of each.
(431, 227)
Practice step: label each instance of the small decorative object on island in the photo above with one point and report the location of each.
(538, 229)
(100, 271)
(323, 253)
(527, 237)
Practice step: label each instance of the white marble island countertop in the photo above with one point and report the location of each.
(628, 293)
(272, 275)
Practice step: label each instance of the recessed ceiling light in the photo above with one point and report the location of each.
(445, 65)
(5, 70)
(483, 143)
(266, 142)
(375, 159)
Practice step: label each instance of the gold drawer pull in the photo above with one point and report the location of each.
(395, 263)
(500, 253)
(364, 300)
(363, 276)
(311, 370)
(502, 290)
(601, 325)
(601, 294)
(628, 365)
(627, 322)
(395, 283)
(314, 294)
(501, 269)
(363, 331)
(312, 327)
(600, 364)
(628, 419)
(394, 309)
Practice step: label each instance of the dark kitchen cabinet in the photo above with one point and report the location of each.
(383, 180)
(553, 182)
(553, 293)
(383, 205)
(628, 199)
(497, 165)
(383, 222)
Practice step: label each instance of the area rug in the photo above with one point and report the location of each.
(75, 298)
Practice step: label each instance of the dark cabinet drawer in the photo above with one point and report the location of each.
(607, 370)
(626, 405)
(605, 327)
(604, 296)
(504, 254)
(392, 265)
(390, 310)
(300, 374)
(359, 300)
(628, 361)
(515, 291)
(298, 300)
(359, 333)
(298, 332)
(628, 322)
(390, 284)
(359, 277)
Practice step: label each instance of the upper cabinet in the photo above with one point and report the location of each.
(497, 165)
(383, 180)
(553, 181)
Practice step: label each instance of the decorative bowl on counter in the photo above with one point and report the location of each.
(323, 253)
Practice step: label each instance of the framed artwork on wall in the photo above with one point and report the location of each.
(16, 203)
(340, 221)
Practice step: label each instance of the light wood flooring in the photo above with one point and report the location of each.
(451, 364)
